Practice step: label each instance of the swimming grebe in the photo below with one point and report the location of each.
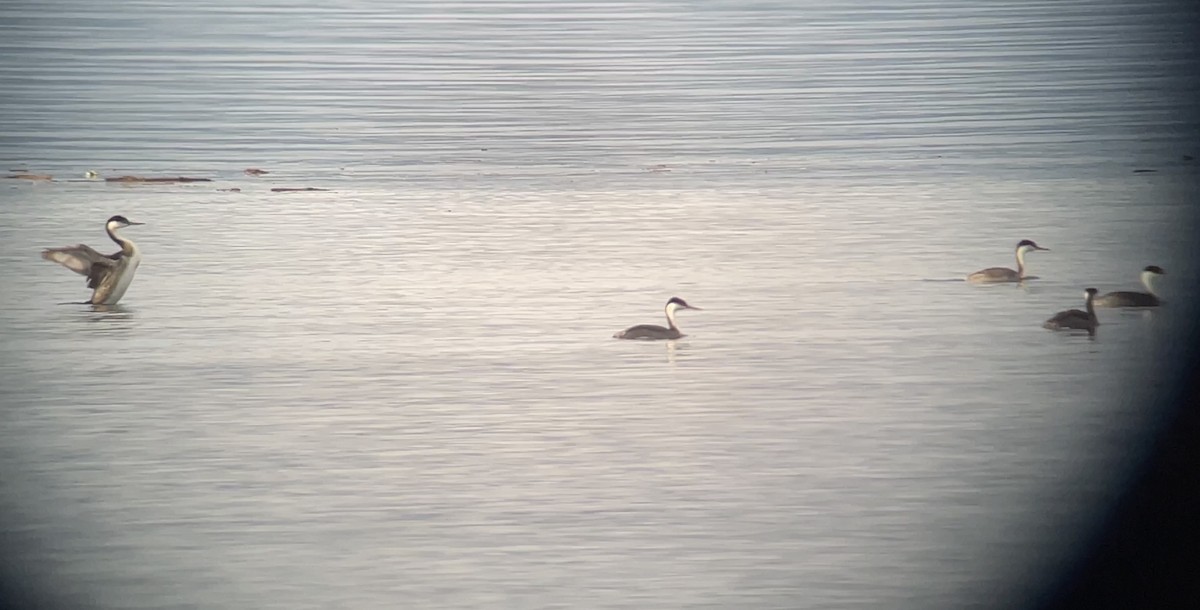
(1129, 298)
(1075, 319)
(652, 331)
(996, 275)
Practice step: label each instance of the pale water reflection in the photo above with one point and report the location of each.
(106, 317)
(404, 390)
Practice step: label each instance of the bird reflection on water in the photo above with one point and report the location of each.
(671, 347)
(107, 318)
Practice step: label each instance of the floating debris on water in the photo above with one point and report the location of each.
(288, 189)
(254, 171)
(230, 190)
(156, 180)
(34, 177)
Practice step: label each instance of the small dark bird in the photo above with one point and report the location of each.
(1074, 319)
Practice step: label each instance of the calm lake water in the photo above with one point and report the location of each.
(402, 391)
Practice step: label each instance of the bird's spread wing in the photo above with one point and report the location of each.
(83, 260)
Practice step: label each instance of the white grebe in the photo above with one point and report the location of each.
(996, 275)
(652, 331)
(1075, 319)
(108, 276)
(1128, 298)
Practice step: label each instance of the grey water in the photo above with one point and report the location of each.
(402, 391)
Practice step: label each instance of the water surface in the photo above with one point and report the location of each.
(403, 390)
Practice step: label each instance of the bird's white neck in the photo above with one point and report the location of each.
(1021, 260)
(1148, 279)
(127, 245)
(671, 308)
